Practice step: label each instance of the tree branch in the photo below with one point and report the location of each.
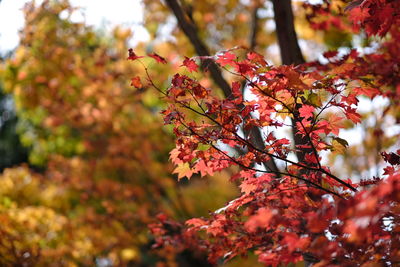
(191, 33)
(254, 28)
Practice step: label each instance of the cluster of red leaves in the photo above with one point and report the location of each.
(205, 145)
(285, 224)
(375, 70)
(375, 16)
(299, 211)
(281, 228)
(325, 15)
(283, 215)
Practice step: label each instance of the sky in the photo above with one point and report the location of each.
(96, 12)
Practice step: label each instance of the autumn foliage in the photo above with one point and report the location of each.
(275, 172)
(296, 209)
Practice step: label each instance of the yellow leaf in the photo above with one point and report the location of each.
(183, 170)
(339, 145)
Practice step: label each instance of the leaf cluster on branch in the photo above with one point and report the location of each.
(298, 210)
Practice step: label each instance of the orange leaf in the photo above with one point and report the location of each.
(136, 82)
(183, 170)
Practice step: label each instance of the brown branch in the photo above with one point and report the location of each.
(254, 28)
(191, 33)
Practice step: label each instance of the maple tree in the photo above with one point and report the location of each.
(292, 206)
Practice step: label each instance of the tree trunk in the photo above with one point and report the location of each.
(286, 33)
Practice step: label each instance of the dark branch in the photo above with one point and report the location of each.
(287, 37)
(190, 31)
(254, 28)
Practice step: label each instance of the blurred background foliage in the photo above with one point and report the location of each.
(89, 153)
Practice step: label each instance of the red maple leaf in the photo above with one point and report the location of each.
(190, 64)
(335, 122)
(359, 14)
(236, 89)
(226, 58)
(330, 54)
(158, 58)
(352, 115)
(389, 170)
(306, 111)
(203, 168)
(195, 222)
(136, 82)
(261, 219)
(351, 99)
(248, 187)
(174, 156)
(243, 68)
(256, 58)
(132, 55)
(367, 91)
